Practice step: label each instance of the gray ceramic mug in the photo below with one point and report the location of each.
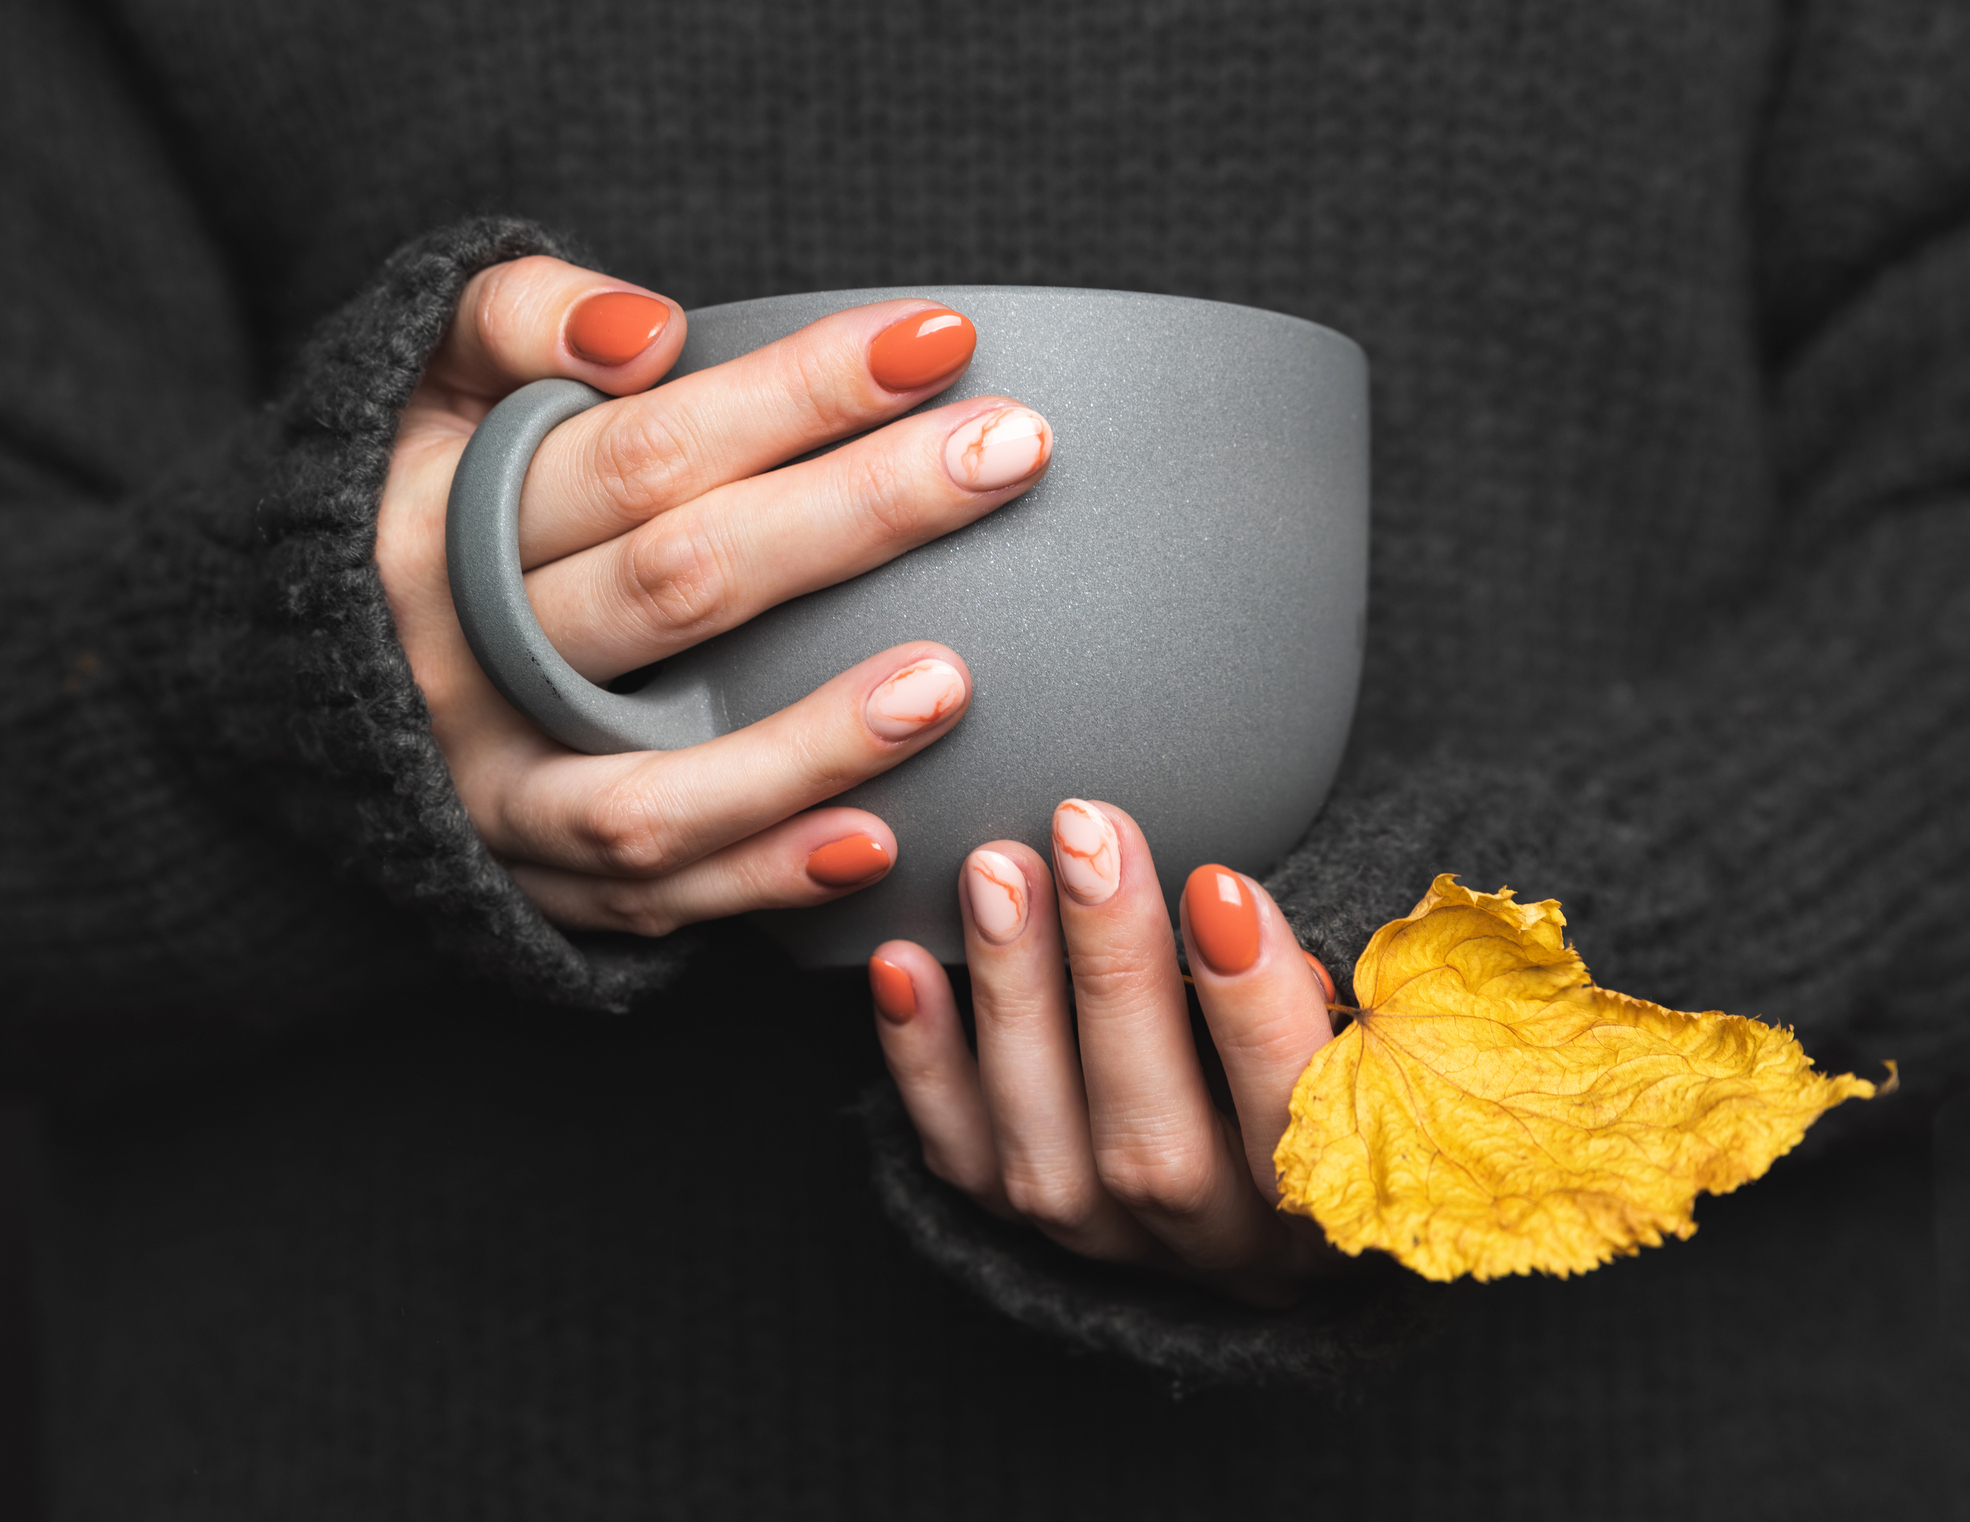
(1171, 621)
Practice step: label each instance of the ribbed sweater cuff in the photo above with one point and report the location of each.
(262, 623)
(1189, 1334)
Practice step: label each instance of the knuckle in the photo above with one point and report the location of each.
(639, 913)
(757, 882)
(1271, 1039)
(879, 490)
(1172, 1181)
(813, 752)
(504, 301)
(1121, 973)
(1060, 1206)
(962, 1174)
(814, 380)
(644, 459)
(679, 576)
(627, 830)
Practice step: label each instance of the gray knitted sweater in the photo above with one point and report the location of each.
(1669, 316)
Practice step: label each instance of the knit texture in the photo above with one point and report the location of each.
(1327, 1345)
(213, 682)
(494, 1263)
(1669, 318)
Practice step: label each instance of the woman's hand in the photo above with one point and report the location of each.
(657, 520)
(1091, 1116)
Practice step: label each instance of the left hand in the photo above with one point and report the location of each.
(1111, 1144)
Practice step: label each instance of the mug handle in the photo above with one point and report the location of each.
(482, 558)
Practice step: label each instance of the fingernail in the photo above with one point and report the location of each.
(914, 698)
(1224, 919)
(616, 326)
(997, 891)
(895, 995)
(1005, 445)
(1320, 971)
(841, 862)
(1086, 852)
(921, 348)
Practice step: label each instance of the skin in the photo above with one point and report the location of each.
(657, 520)
(648, 524)
(1089, 1117)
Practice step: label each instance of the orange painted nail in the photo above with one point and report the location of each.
(616, 326)
(921, 348)
(841, 862)
(1224, 919)
(1320, 971)
(895, 994)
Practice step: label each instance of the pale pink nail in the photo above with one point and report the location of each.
(998, 449)
(1086, 852)
(914, 698)
(997, 890)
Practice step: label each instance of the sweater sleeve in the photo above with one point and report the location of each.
(219, 791)
(1776, 823)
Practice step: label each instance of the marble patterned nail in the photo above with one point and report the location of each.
(1087, 855)
(915, 698)
(996, 889)
(999, 448)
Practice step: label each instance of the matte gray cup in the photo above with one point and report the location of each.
(1171, 621)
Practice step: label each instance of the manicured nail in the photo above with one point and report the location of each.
(616, 326)
(1086, 853)
(1320, 971)
(895, 995)
(921, 348)
(996, 889)
(841, 862)
(914, 698)
(1224, 919)
(1005, 445)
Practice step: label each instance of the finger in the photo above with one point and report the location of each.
(651, 813)
(1262, 999)
(1028, 1067)
(1160, 1145)
(923, 1044)
(528, 319)
(608, 470)
(715, 563)
(810, 859)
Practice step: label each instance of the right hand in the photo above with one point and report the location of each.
(657, 520)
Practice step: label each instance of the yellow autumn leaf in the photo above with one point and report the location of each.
(1490, 1111)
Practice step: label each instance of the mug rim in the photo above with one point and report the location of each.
(876, 293)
